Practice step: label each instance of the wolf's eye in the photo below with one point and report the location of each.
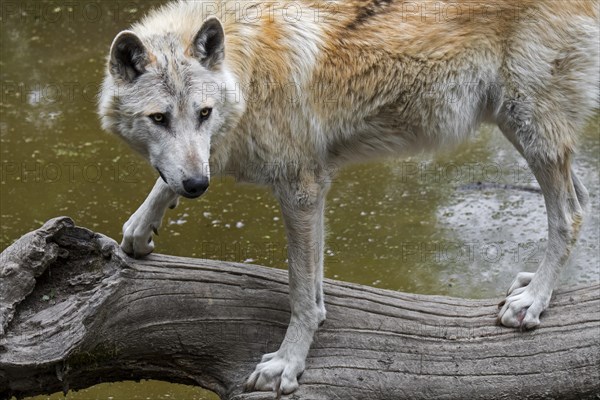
(158, 118)
(205, 113)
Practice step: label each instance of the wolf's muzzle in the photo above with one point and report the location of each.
(162, 176)
(195, 187)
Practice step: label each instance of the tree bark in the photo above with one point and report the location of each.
(76, 311)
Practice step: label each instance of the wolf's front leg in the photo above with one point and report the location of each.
(302, 212)
(137, 231)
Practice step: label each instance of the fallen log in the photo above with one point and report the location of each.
(76, 311)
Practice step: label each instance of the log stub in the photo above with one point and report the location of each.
(76, 311)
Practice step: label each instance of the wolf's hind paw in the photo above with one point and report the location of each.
(521, 309)
(523, 279)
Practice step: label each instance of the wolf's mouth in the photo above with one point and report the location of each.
(162, 176)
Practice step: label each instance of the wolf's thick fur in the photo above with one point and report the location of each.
(284, 94)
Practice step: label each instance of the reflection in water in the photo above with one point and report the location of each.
(414, 225)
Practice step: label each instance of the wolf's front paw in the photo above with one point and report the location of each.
(137, 234)
(276, 373)
(523, 305)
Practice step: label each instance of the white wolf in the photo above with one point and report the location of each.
(202, 88)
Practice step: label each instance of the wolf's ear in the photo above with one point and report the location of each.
(128, 56)
(208, 45)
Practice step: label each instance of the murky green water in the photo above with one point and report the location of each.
(417, 225)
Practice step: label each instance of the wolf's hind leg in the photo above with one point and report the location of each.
(319, 251)
(530, 294)
(582, 194)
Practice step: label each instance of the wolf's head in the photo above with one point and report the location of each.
(168, 99)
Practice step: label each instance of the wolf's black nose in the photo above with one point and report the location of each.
(195, 187)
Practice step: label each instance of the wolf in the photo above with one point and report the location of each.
(285, 94)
